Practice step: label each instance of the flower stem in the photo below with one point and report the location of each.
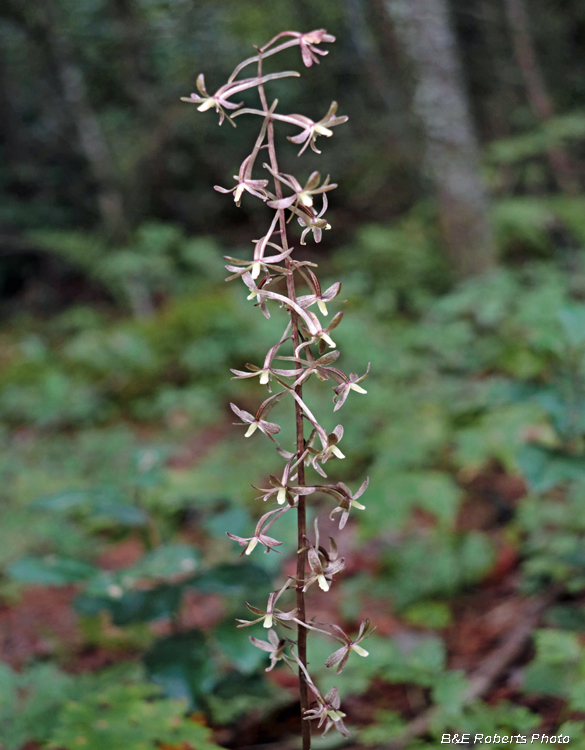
(300, 438)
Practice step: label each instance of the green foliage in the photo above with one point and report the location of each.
(397, 268)
(487, 375)
(457, 562)
(429, 614)
(546, 467)
(387, 726)
(29, 702)
(159, 259)
(558, 667)
(127, 716)
(554, 132)
(419, 660)
(49, 570)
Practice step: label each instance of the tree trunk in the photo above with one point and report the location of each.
(451, 153)
(538, 98)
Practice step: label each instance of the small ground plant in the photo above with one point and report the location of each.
(271, 276)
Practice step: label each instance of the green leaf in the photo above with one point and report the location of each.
(565, 617)
(503, 717)
(234, 520)
(439, 494)
(557, 647)
(449, 692)
(547, 467)
(122, 513)
(577, 696)
(546, 679)
(99, 502)
(576, 731)
(432, 490)
(50, 570)
(133, 606)
(232, 579)
(572, 321)
(234, 643)
(148, 465)
(182, 666)
(458, 560)
(62, 501)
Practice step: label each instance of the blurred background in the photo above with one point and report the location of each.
(458, 230)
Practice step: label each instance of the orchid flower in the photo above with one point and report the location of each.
(340, 657)
(318, 296)
(312, 222)
(350, 384)
(246, 183)
(274, 647)
(219, 100)
(301, 195)
(257, 422)
(328, 712)
(267, 371)
(259, 262)
(329, 451)
(347, 500)
(307, 44)
(251, 542)
(313, 326)
(320, 367)
(270, 615)
(324, 565)
(311, 130)
(244, 177)
(318, 334)
(282, 488)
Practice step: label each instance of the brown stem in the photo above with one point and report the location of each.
(301, 508)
